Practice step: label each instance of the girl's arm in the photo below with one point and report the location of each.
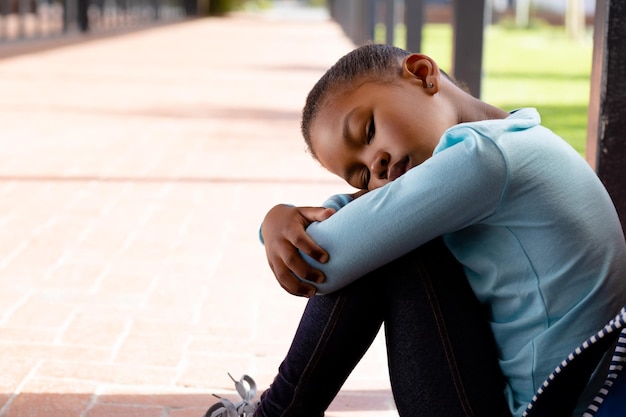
(457, 187)
(283, 232)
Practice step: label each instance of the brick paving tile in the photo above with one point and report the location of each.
(134, 173)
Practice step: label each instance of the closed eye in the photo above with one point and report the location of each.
(371, 130)
(366, 179)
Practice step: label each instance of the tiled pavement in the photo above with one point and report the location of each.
(134, 173)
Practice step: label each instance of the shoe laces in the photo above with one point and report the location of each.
(246, 388)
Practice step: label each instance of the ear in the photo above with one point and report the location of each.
(424, 69)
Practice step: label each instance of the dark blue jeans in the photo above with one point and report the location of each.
(441, 353)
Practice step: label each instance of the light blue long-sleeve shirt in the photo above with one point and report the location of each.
(530, 222)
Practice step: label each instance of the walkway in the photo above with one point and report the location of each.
(134, 173)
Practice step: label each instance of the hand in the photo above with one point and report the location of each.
(284, 233)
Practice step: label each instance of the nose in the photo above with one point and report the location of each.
(380, 165)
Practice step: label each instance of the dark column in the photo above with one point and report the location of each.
(340, 12)
(4, 11)
(356, 18)
(332, 8)
(371, 18)
(414, 20)
(606, 131)
(156, 9)
(467, 59)
(191, 7)
(70, 14)
(83, 17)
(352, 19)
(365, 17)
(390, 21)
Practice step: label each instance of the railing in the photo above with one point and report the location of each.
(38, 19)
(606, 137)
(358, 19)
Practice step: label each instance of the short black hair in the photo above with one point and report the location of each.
(369, 62)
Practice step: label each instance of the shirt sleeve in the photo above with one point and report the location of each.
(457, 187)
(337, 201)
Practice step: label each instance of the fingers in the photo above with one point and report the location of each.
(289, 282)
(287, 265)
(285, 237)
(315, 214)
(284, 254)
(303, 242)
(290, 223)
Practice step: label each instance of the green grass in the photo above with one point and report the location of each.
(538, 67)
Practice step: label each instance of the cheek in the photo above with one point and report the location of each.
(401, 132)
(332, 155)
(376, 183)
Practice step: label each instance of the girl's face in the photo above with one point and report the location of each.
(378, 131)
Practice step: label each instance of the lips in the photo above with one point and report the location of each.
(398, 168)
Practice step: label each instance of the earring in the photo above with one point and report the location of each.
(430, 85)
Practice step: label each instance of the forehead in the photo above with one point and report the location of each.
(354, 101)
(342, 115)
(326, 131)
(338, 104)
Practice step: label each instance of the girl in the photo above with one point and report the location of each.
(530, 261)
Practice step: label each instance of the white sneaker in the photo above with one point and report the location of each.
(246, 387)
